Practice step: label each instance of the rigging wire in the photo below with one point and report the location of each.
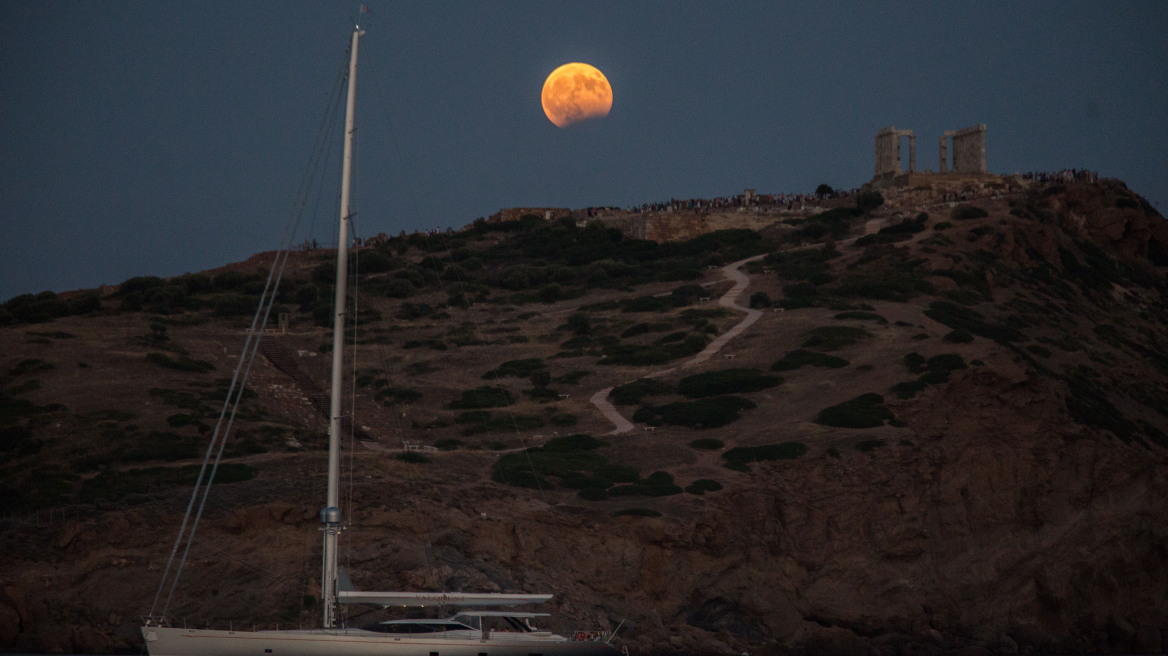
(237, 387)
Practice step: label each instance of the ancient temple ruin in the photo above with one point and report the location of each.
(888, 151)
(969, 151)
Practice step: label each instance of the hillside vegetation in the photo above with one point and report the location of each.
(948, 427)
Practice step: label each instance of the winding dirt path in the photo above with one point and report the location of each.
(728, 300)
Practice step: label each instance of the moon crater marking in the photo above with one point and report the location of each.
(575, 92)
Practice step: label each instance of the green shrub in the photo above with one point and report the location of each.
(967, 212)
(132, 484)
(802, 264)
(636, 512)
(591, 493)
(726, 381)
(860, 316)
(571, 378)
(703, 485)
(472, 417)
(760, 300)
(800, 358)
(869, 445)
(707, 444)
(516, 368)
(483, 397)
(640, 355)
(572, 458)
(414, 310)
(866, 201)
(400, 288)
(702, 413)
(412, 457)
(864, 411)
(957, 316)
(30, 366)
(392, 395)
(562, 420)
(181, 363)
(449, 444)
(958, 336)
(885, 284)
(1088, 405)
(570, 443)
(657, 484)
(180, 420)
(740, 456)
(632, 393)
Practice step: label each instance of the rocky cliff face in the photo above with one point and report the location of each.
(1018, 505)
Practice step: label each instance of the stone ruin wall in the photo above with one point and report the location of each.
(671, 227)
(516, 213)
(888, 151)
(969, 150)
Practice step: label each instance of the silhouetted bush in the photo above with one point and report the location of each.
(726, 381)
(181, 363)
(707, 444)
(570, 459)
(864, 411)
(804, 264)
(885, 284)
(958, 316)
(702, 413)
(652, 354)
(740, 457)
(800, 358)
(866, 201)
(703, 485)
(632, 393)
(31, 366)
(516, 369)
(967, 212)
(392, 395)
(483, 397)
(657, 484)
(400, 288)
(132, 485)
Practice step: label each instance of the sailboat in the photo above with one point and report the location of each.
(467, 633)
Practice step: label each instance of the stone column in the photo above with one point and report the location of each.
(912, 153)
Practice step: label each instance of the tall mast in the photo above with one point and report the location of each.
(330, 517)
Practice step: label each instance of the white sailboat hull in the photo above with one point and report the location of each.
(171, 641)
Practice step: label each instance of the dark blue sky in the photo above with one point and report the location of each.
(157, 138)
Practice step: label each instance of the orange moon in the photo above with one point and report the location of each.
(576, 92)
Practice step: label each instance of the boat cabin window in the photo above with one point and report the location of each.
(416, 627)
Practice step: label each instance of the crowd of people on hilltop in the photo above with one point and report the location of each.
(755, 202)
(1062, 177)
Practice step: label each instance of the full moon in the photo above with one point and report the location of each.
(576, 92)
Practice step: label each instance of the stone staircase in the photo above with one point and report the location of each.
(285, 362)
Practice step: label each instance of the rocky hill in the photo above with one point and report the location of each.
(923, 426)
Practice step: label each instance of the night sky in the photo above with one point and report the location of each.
(157, 138)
